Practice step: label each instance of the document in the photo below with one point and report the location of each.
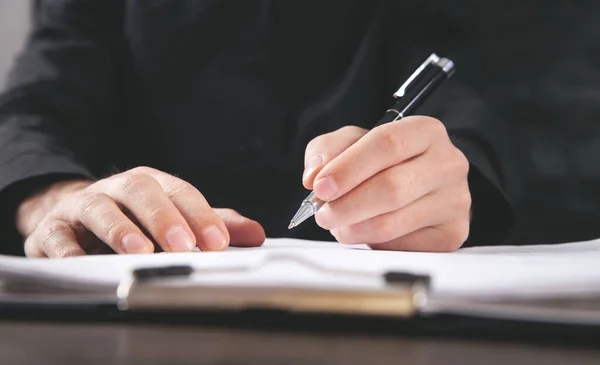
(481, 272)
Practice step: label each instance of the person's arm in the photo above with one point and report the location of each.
(60, 90)
(62, 95)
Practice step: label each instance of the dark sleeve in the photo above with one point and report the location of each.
(473, 127)
(59, 91)
(482, 137)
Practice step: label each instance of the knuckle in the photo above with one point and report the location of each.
(115, 230)
(181, 189)
(133, 182)
(465, 200)
(397, 199)
(230, 211)
(31, 248)
(158, 216)
(395, 191)
(350, 130)
(340, 235)
(56, 239)
(398, 186)
(346, 235)
(458, 235)
(53, 229)
(316, 142)
(144, 170)
(391, 138)
(390, 181)
(346, 129)
(386, 230)
(435, 127)
(208, 215)
(65, 250)
(461, 163)
(410, 220)
(91, 204)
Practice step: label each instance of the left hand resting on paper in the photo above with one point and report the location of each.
(400, 186)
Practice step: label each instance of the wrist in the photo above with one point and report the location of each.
(33, 209)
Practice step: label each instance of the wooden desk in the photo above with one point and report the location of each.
(72, 343)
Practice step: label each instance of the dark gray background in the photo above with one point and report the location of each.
(13, 30)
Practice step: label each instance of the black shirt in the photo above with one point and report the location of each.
(226, 94)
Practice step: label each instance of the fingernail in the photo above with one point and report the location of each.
(312, 164)
(179, 240)
(325, 188)
(134, 243)
(323, 217)
(213, 238)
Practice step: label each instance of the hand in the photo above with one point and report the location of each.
(401, 186)
(129, 213)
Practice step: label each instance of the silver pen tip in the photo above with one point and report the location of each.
(292, 225)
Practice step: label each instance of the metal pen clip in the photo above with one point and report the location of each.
(446, 65)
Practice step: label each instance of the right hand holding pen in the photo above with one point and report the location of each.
(129, 212)
(400, 186)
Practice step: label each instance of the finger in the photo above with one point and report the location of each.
(430, 210)
(325, 148)
(244, 232)
(381, 148)
(53, 239)
(143, 197)
(101, 215)
(446, 238)
(208, 228)
(33, 246)
(387, 191)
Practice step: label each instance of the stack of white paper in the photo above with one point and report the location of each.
(474, 272)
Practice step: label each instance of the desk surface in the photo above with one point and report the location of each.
(72, 343)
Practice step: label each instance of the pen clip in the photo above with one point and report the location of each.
(433, 58)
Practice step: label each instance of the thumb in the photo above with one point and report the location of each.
(243, 232)
(324, 148)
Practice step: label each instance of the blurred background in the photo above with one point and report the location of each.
(14, 23)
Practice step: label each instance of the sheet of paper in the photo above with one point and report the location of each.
(592, 247)
(518, 271)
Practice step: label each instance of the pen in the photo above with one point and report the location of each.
(426, 78)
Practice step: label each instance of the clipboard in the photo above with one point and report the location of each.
(403, 295)
(161, 289)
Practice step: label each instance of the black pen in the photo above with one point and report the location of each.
(411, 95)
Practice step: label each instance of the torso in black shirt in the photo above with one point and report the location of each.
(226, 94)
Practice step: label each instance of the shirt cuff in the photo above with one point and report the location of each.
(29, 161)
